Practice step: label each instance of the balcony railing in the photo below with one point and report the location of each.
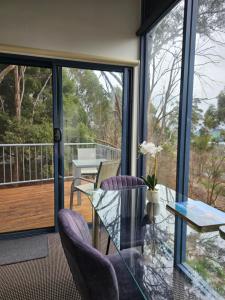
(23, 163)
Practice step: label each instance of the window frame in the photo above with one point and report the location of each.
(56, 66)
(184, 119)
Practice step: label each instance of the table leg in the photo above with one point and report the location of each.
(96, 229)
(77, 174)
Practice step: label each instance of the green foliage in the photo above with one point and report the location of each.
(89, 110)
(221, 106)
(35, 125)
(201, 142)
(196, 113)
(222, 135)
(150, 181)
(211, 117)
(210, 271)
(24, 132)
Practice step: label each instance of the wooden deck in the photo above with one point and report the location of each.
(32, 206)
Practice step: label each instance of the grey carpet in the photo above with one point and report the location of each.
(47, 278)
(23, 249)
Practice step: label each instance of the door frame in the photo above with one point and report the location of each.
(56, 66)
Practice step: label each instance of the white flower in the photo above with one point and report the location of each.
(143, 148)
(149, 148)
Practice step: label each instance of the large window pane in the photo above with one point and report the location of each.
(163, 88)
(205, 253)
(26, 148)
(92, 115)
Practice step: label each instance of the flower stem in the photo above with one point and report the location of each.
(155, 170)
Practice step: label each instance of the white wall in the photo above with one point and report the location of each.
(92, 27)
(100, 28)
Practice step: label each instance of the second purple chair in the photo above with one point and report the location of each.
(120, 182)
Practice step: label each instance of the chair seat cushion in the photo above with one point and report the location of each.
(127, 286)
(85, 188)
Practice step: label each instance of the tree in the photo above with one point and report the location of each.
(76, 125)
(214, 169)
(221, 106)
(165, 53)
(20, 88)
(100, 104)
(211, 117)
(196, 114)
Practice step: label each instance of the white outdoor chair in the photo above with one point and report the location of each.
(106, 169)
(87, 154)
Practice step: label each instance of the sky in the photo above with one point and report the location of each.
(213, 81)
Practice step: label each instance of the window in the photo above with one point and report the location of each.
(164, 56)
(205, 252)
(26, 148)
(166, 63)
(92, 116)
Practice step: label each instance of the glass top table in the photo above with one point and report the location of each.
(147, 230)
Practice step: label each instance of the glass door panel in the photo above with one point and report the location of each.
(92, 121)
(26, 148)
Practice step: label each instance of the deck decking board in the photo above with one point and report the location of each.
(32, 206)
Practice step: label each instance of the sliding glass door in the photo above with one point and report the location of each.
(92, 127)
(52, 113)
(26, 148)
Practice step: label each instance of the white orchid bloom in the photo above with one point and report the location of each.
(144, 148)
(149, 148)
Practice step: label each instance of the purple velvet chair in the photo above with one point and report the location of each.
(96, 276)
(123, 182)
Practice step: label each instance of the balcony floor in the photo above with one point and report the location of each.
(32, 206)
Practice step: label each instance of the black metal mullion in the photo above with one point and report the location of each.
(56, 152)
(127, 106)
(184, 128)
(143, 102)
(61, 143)
(36, 61)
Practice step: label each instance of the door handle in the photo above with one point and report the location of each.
(57, 135)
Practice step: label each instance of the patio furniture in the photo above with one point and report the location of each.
(84, 164)
(123, 182)
(96, 276)
(87, 154)
(106, 169)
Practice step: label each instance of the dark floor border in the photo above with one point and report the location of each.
(26, 233)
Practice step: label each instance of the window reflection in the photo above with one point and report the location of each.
(164, 71)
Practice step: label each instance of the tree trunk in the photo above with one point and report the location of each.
(17, 93)
(5, 71)
(19, 90)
